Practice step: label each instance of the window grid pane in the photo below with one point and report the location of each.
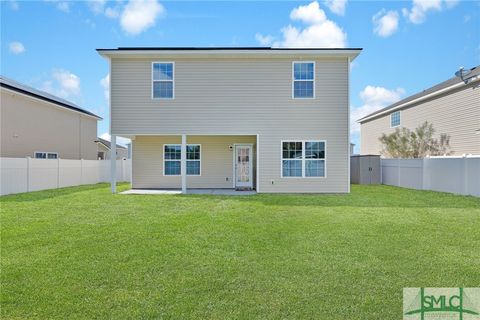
(303, 71)
(395, 119)
(292, 168)
(315, 168)
(292, 150)
(193, 168)
(173, 152)
(193, 152)
(163, 89)
(172, 168)
(163, 71)
(303, 89)
(314, 150)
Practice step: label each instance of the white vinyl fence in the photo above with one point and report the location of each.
(459, 175)
(28, 174)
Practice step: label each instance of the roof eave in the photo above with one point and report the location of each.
(48, 100)
(350, 53)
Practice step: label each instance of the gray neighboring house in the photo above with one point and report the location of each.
(39, 125)
(104, 150)
(268, 119)
(453, 107)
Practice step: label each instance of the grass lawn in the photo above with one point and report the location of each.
(82, 253)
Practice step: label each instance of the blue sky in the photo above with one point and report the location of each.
(408, 45)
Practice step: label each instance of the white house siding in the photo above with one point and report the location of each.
(242, 97)
(456, 113)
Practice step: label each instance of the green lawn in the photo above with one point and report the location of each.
(82, 253)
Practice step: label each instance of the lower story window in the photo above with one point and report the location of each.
(46, 155)
(303, 159)
(172, 157)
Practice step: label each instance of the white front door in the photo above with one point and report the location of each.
(243, 166)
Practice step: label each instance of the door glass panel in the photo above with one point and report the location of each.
(243, 164)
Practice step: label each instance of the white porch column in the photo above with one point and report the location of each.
(113, 163)
(183, 166)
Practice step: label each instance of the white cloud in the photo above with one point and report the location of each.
(373, 98)
(264, 40)
(319, 32)
(63, 84)
(97, 6)
(309, 14)
(385, 23)
(451, 3)
(16, 47)
(112, 13)
(139, 15)
(418, 13)
(63, 6)
(336, 6)
(120, 140)
(105, 83)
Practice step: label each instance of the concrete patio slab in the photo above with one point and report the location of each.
(223, 192)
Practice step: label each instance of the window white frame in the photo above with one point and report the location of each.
(172, 81)
(293, 80)
(179, 160)
(47, 153)
(303, 159)
(399, 119)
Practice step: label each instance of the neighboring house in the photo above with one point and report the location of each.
(274, 120)
(452, 107)
(39, 125)
(103, 150)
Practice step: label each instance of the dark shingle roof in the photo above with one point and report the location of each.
(475, 71)
(107, 144)
(29, 91)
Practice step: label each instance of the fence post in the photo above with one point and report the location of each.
(81, 171)
(398, 172)
(58, 173)
(465, 175)
(424, 174)
(28, 174)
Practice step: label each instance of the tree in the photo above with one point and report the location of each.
(404, 143)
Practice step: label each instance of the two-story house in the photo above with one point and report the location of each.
(268, 119)
(37, 124)
(452, 107)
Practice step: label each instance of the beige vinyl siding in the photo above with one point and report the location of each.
(242, 97)
(216, 161)
(29, 125)
(456, 113)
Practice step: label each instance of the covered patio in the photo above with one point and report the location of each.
(195, 164)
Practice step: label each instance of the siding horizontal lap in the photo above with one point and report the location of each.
(235, 96)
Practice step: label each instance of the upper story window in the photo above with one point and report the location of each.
(303, 80)
(395, 119)
(163, 78)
